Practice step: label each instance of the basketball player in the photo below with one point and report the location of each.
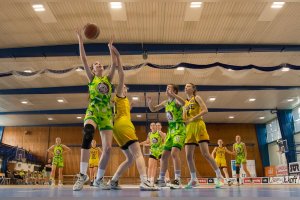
(196, 134)
(124, 134)
(155, 139)
(94, 161)
(175, 136)
(98, 114)
(221, 160)
(57, 150)
(240, 151)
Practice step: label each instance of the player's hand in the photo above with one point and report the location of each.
(170, 93)
(79, 33)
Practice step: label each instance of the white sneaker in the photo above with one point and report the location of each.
(114, 185)
(146, 186)
(99, 183)
(218, 183)
(192, 183)
(81, 180)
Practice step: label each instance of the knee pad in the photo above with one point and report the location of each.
(88, 135)
(237, 169)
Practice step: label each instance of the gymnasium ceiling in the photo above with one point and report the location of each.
(152, 22)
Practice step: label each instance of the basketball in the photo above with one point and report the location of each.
(91, 31)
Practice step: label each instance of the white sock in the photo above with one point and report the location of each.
(100, 173)
(143, 178)
(177, 174)
(193, 176)
(218, 173)
(83, 167)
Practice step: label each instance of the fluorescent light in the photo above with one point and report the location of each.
(50, 118)
(135, 98)
(28, 71)
(285, 69)
(115, 5)
(60, 100)
(24, 101)
(180, 68)
(139, 116)
(261, 117)
(195, 4)
(290, 100)
(252, 99)
(212, 99)
(231, 117)
(78, 117)
(230, 70)
(277, 4)
(38, 7)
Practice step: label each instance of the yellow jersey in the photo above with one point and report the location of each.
(192, 108)
(220, 153)
(94, 153)
(122, 107)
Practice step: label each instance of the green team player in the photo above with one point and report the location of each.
(57, 152)
(175, 136)
(98, 115)
(155, 140)
(240, 151)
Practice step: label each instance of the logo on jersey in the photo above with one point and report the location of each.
(103, 88)
(154, 140)
(177, 138)
(169, 116)
(58, 152)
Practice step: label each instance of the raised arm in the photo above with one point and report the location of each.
(213, 152)
(120, 72)
(83, 56)
(157, 107)
(114, 60)
(177, 97)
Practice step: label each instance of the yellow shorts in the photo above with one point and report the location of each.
(93, 163)
(221, 163)
(124, 132)
(196, 133)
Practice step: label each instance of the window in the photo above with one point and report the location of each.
(296, 116)
(273, 131)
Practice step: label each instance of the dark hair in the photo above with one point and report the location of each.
(175, 88)
(194, 88)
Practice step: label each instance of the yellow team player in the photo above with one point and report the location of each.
(196, 134)
(221, 160)
(124, 134)
(94, 161)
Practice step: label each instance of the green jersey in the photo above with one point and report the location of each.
(239, 149)
(100, 90)
(155, 140)
(173, 111)
(58, 151)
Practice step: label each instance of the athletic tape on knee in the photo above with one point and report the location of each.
(88, 135)
(237, 169)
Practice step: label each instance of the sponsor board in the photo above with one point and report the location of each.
(202, 180)
(265, 180)
(211, 181)
(256, 180)
(294, 168)
(270, 171)
(281, 170)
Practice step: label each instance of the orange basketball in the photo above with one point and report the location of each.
(91, 31)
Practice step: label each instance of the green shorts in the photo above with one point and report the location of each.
(101, 116)
(240, 160)
(58, 162)
(175, 136)
(156, 153)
